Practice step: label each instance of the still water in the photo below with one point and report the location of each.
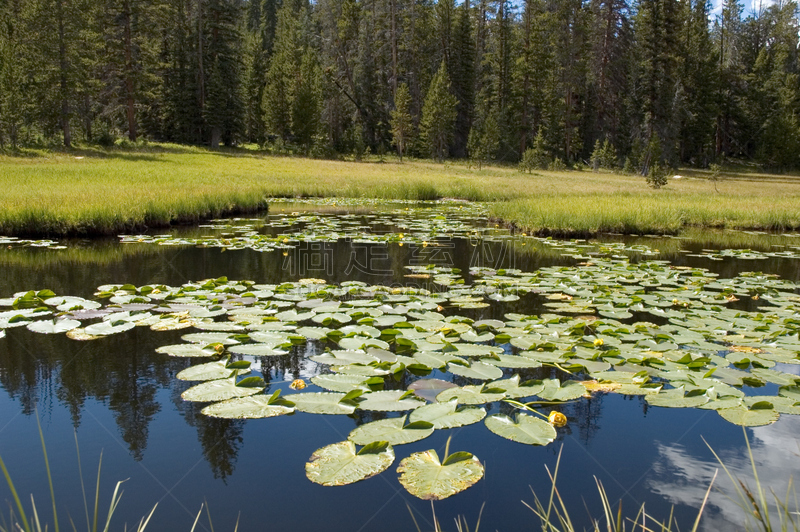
(118, 397)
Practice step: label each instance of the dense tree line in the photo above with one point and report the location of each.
(643, 84)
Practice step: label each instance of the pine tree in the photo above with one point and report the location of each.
(12, 67)
(463, 77)
(307, 100)
(223, 106)
(569, 40)
(401, 121)
(439, 115)
(698, 79)
(730, 93)
(278, 97)
(777, 85)
(531, 71)
(484, 137)
(608, 70)
(657, 26)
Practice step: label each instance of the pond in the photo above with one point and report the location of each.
(691, 336)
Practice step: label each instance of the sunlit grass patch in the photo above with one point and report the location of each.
(95, 191)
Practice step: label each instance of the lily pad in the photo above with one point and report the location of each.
(471, 395)
(339, 464)
(557, 391)
(219, 369)
(512, 361)
(523, 428)
(475, 370)
(105, 328)
(341, 382)
(447, 415)
(187, 350)
(257, 350)
(393, 430)
(53, 327)
(755, 416)
(676, 398)
(390, 401)
(222, 389)
(326, 402)
(253, 407)
(430, 479)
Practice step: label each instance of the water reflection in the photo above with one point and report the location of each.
(138, 386)
(682, 477)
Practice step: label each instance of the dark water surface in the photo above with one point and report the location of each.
(122, 399)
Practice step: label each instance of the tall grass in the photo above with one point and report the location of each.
(111, 191)
(19, 521)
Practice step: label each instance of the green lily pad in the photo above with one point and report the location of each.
(514, 389)
(770, 375)
(390, 401)
(314, 333)
(324, 403)
(257, 350)
(750, 417)
(187, 350)
(475, 370)
(470, 395)
(219, 369)
(253, 407)
(339, 464)
(344, 357)
(430, 479)
(523, 428)
(433, 359)
(792, 392)
(105, 328)
(341, 382)
(447, 415)
(554, 390)
(53, 326)
(223, 389)
(719, 404)
(512, 361)
(472, 350)
(206, 338)
(393, 430)
(676, 398)
(362, 342)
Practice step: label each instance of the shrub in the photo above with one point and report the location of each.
(657, 175)
(557, 165)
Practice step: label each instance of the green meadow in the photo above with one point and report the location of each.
(105, 192)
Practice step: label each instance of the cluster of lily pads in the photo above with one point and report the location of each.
(676, 335)
(411, 223)
(14, 242)
(402, 225)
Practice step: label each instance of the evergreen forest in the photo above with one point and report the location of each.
(613, 83)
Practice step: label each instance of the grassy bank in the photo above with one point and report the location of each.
(90, 192)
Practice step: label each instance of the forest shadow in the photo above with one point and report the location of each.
(149, 152)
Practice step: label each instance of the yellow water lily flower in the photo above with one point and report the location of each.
(298, 384)
(557, 419)
(598, 342)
